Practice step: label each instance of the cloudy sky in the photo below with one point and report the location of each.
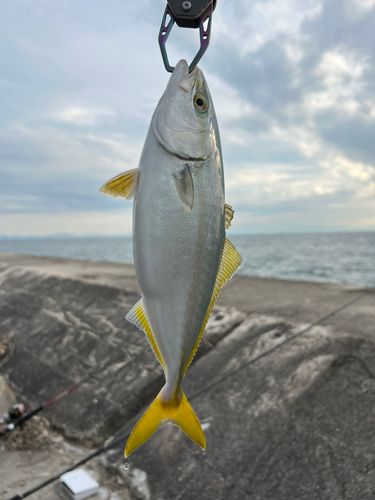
(293, 83)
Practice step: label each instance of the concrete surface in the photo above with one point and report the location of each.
(7, 397)
(296, 424)
(21, 470)
(298, 301)
(30, 455)
(104, 273)
(68, 331)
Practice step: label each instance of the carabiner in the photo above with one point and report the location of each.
(204, 32)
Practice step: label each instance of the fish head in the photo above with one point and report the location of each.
(185, 121)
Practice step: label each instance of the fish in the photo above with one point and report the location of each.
(182, 257)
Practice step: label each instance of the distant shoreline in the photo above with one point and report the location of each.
(298, 301)
(63, 236)
(104, 273)
(337, 258)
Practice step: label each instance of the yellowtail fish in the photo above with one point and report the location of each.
(181, 255)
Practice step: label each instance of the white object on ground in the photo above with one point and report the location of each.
(79, 485)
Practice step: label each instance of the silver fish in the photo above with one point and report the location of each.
(181, 255)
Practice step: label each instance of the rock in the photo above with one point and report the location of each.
(221, 322)
(7, 398)
(66, 331)
(298, 301)
(296, 424)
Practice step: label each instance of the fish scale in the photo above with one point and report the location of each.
(181, 255)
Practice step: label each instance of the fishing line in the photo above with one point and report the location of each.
(284, 342)
(195, 395)
(72, 467)
(365, 302)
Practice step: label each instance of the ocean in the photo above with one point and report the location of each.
(347, 258)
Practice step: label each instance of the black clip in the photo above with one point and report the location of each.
(192, 14)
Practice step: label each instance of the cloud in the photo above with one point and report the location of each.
(81, 116)
(293, 85)
(359, 8)
(61, 171)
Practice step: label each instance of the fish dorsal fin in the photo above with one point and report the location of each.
(123, 185)
(228, 215)
(137, 316)
(230, 262)
(185, 187)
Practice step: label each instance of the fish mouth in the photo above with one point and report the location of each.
(182, 77)
(187, 80)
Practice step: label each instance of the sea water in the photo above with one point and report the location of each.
(326, 257)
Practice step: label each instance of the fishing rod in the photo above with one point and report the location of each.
(16, 420)
(16, 416)
(124, 436)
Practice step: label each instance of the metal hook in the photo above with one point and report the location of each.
(165, 29)
(204, 33)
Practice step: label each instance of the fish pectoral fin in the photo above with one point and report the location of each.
(185, 187)
(228, 215)
(138, 317)
(123, 185)
(230, 262)
(177, 412)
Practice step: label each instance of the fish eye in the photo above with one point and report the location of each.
(200, 103)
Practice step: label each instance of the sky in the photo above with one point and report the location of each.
(293, 84)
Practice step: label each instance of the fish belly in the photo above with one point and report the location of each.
(177, 254)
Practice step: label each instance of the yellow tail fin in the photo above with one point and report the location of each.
(177, 411)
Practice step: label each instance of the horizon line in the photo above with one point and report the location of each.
(119, 235)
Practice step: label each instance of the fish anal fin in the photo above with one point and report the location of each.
(123, 185)
(185, 187)
(228, 215)
(177, 411)
(230, 262)
(137, 316)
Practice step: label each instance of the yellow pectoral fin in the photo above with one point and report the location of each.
(230, 262)
(123, 185)
(178, 412)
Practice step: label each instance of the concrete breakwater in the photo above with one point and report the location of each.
(297, 423)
